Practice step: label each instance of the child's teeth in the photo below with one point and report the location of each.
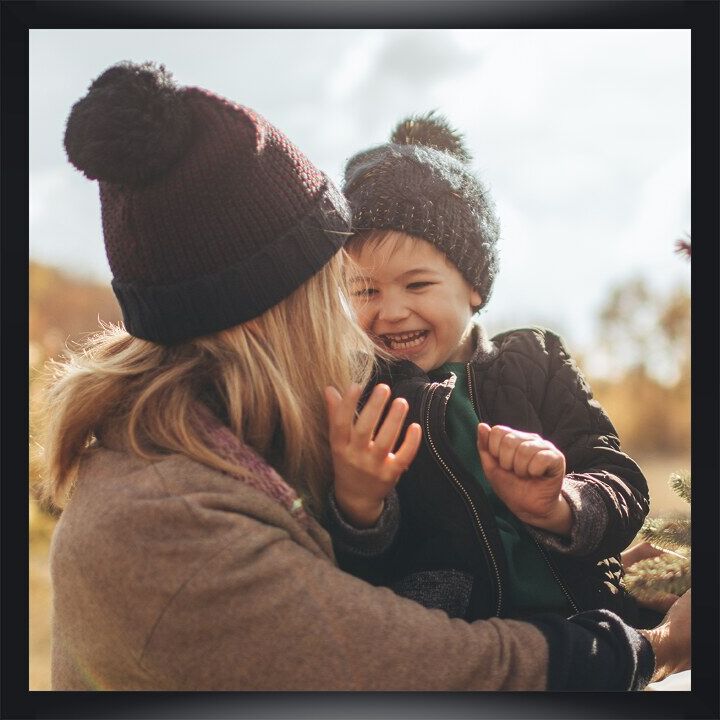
(403, 341)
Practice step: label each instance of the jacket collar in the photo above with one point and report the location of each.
(484, 349)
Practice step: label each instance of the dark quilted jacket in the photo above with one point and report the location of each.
(445, 550)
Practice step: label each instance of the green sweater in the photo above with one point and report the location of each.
(532, 586)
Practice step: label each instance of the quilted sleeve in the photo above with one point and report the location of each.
(603, 482)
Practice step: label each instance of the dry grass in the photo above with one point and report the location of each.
(40, 604)
(41, 527)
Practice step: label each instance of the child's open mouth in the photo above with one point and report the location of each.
(402, 342)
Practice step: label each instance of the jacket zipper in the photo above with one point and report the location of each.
(554, 572)
(467, 497)
(556, 575)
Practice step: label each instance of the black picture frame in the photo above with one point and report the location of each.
(700, 17)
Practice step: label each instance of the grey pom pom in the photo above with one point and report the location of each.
(130, 127)
(431, 130)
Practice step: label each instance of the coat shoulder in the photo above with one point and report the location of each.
(534, 342)
(117, 494)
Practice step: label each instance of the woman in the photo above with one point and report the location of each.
(193, 443)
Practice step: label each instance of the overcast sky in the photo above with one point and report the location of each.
(583, 137)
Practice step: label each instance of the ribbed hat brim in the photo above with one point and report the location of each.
(170, 314)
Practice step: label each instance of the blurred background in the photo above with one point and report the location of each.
(583, 137)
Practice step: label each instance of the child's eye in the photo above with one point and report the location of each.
(364, 292)
(420, 285)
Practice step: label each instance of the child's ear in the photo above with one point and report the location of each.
(475, 299)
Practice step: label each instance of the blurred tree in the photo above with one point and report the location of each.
(669, 573)
(644, 343)
(61, 310)
(642, 330)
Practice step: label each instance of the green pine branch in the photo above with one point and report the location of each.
(651, 578)
(667, 533)
(680, 483)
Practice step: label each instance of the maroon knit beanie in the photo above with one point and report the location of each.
(210, 214)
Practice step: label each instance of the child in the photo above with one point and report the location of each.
(538, 523)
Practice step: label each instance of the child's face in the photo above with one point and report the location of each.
(413, 301)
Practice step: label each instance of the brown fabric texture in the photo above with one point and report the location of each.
(168, 575)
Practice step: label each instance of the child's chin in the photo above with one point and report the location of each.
(413, 358)
(414, 355)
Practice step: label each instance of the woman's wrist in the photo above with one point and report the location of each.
(656, 639)
(671, 641)
(667, 656)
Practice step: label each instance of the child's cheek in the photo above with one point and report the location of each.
(362, 313)
(365, 321)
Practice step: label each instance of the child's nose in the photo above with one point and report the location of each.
(393, 309)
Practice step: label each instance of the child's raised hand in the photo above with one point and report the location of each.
(366, 469)
(526, 472)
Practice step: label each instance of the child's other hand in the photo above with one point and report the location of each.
(526, 472)
(366, 469)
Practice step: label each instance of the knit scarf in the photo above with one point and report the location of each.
(260, 476)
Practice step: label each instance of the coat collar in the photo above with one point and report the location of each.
(484, 349)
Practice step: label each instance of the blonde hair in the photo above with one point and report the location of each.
(268, 375)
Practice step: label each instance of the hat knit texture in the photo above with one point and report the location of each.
(210, 214)
(420, 183)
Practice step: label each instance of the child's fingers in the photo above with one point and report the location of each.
(389, 431)
(504, 443)
(483, 436)
(369, 417)
(497, 435)
(546, 462)
(407, 451)
(488, 462)
(332, 397)
(338, 426)
(525, 452)
(508, 446)
(348, 405)
(345, 412)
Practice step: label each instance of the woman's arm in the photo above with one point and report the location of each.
(267, 614)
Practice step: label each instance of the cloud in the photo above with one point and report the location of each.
(582, 136)
(401, 77)
(65, 226)
(44, 186)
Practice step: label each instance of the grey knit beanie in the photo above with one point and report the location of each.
(420, 183)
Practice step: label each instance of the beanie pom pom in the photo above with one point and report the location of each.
(431, 130)
(130, 127)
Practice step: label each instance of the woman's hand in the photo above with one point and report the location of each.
(526, 472)
(366, 469)
(671, 640)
